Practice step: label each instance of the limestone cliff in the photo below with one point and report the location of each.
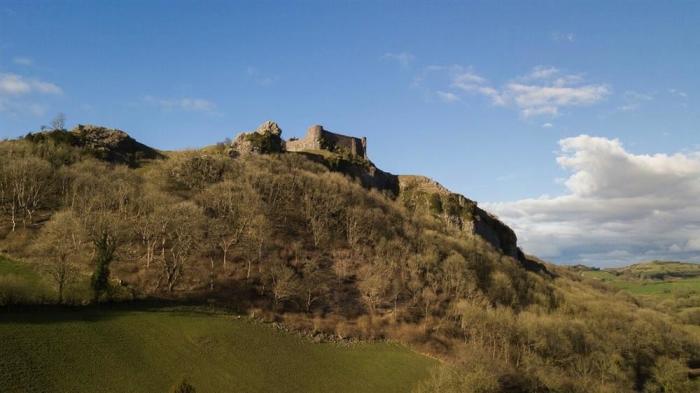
(463, 214)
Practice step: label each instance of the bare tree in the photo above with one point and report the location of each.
(180, 241)
(59, 122)
(232, 207)
(321, 210)
(258, 234)
(373, 286)
(59, 241)
(315, 282)
(25, 185)
(284, 282)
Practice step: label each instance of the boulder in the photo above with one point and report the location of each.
(267, 138)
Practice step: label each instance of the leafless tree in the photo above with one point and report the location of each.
(59, 122)
(25, 186)
(232, 207)
(284, 282)
(59, 240)
(180, 241)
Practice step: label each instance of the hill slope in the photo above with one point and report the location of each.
(311, 245)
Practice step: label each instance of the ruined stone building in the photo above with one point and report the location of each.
(317, 138)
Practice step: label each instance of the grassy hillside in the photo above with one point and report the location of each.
(660, 270)
(148, 351)
(19, 282)
(660, 288)
(671, 287)
(652, 278)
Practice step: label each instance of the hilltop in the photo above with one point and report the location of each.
(659, 270)
(320, 242)
(111, 145)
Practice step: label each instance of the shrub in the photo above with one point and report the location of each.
(265, 143)
(183, 387)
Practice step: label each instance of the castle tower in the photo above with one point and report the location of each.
(314, 135)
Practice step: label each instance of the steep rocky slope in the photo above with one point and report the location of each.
(463, 214)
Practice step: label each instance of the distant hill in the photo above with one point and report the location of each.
(659, 270)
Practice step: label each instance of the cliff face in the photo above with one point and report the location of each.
(423, 194)
(463, 214)
(361, 169)
(347, 155)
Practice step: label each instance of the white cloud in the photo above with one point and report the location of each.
(185, 104)
(563, 37)
(619, 207)
(542, 72)
(466, 80)
(678, 93)
(259, 78)
(547, 125)
(13, 84)
(548, 98)
(633, 100)
(19, 95)
(25, 61)
(543, 91)
(447, 96)
(403, 58)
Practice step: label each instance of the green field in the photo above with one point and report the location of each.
(20, 283)
(666, 287)
(89, 350)
(670, 278)
(19, 270)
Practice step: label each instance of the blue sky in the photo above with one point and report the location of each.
(478, 95)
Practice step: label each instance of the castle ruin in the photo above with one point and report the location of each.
(318, 138)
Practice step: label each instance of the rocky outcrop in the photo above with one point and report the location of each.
(363, 170)
(107, 144)
(113, 145)
(347, 155)
(459, 212)
(267, 138)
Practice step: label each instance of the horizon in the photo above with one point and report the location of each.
(576, 124)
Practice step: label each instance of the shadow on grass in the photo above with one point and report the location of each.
(46, 314)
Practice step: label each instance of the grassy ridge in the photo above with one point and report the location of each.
(652, 278)
(667, 287)
(660, 270)
(148, 351)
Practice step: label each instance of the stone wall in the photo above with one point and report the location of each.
(317, 138)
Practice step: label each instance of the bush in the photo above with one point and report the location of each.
(196, 171)
(265, 143)
(18, 290)
(183, 387)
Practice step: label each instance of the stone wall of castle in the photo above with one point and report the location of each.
(311, 141)
(316, 137)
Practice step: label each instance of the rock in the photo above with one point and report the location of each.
(263, 140)
(104, 143)
(461, 213)
(269, 127)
